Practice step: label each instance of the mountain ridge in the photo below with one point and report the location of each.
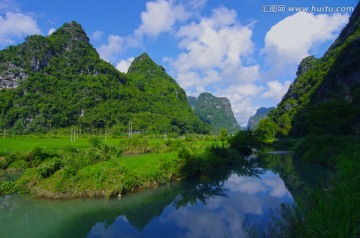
(324, 98)
(60, 81)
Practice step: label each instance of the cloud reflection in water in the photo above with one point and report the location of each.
(249, 203)
(225, 209)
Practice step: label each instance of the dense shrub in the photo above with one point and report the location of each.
(18, 165)
(243, 142)
(95, 142)
(48, 168)
(37, 156)
(324, 149)
(8, 187)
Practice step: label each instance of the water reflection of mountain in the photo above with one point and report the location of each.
(298, 175)
(196, 204)
(225, 204)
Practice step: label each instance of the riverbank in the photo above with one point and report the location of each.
(172, 210)
(102, 170)
(331, 211)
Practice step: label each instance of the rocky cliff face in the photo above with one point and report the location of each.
(11, 75)
(39, 52)
(217, 112)
(261, 113)
(306, 64)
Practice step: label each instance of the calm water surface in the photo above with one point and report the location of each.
(230, 204)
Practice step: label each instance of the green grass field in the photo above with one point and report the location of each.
(56, 167)
(28, 143)
(68, 169)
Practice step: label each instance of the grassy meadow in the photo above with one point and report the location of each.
(28, 143)
(56, 167)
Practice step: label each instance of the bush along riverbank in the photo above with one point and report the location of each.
(109, 171)
(331, 211)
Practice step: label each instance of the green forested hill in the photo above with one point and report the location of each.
(60, 81)
(160, 101)
(217, 112)
(325, 97)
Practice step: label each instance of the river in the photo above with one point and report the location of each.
(235, 202)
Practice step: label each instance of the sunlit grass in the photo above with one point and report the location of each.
(28, 143)
(58, 168)
(108, 178)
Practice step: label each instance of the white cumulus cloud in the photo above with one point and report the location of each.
(123, 65)
(195, 5)
(293, 38)
(16, 25)
(214, 49)
(159, 17)
(217, 41)
(114, 47)
(276, 90)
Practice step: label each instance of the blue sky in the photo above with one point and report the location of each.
(246, 50)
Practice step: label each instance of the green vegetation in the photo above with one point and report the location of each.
(331, 211)
(8, 187)
(322, 109)
(243, 142)
(73, 169)
(101, 175)
(217, 112)
(61, 85)
(325, 149)
(61, 82)
(260, 114)
(266, 131)
(26, 143)
(58, 88)
(336, 117)
(324, 99)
